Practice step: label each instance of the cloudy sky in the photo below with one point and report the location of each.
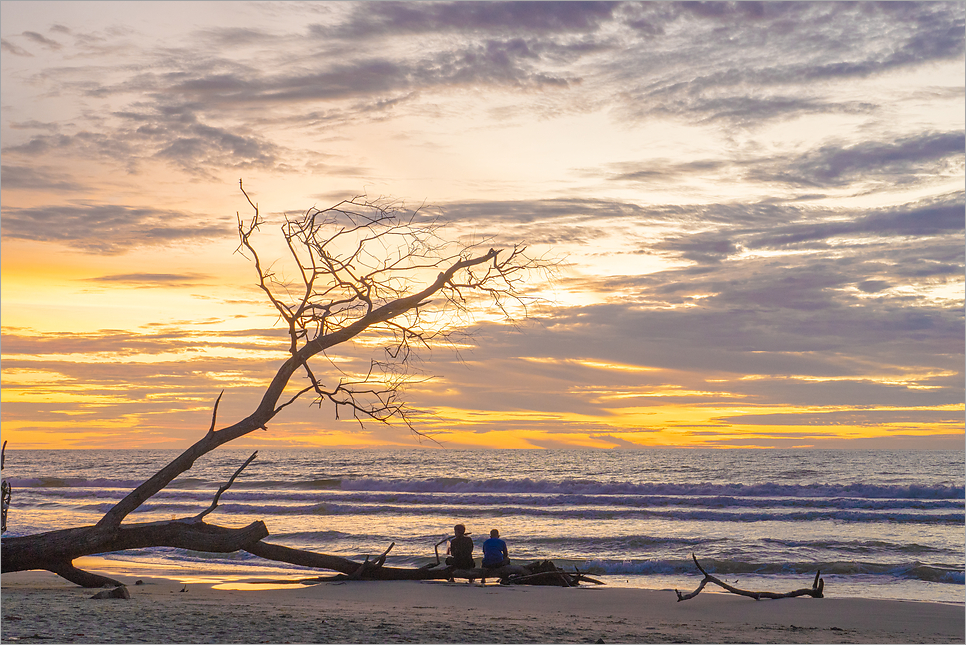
(758, 209)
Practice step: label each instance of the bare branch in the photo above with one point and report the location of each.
(366, 267)
(818, 586)
(224, 487)
(214, 412)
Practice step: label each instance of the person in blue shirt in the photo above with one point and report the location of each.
(495, 554)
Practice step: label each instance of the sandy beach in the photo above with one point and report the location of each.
(39, 607)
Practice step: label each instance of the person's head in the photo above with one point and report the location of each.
(459, 529)
(494, 533)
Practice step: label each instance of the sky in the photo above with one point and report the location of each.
(757, 210)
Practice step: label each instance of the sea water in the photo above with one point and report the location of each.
(877, 524)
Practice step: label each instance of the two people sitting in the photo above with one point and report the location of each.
(495, 553)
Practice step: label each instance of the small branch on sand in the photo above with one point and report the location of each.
(818, 585)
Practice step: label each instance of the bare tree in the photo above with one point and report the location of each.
(361, 267)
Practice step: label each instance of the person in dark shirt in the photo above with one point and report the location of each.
(461, 549)
(494, 552)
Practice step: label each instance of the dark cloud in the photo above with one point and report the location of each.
(903, 161)
(544, 210)
(749, 111)
(34, 125)
(490, 62)
(663, 171)
(939, 216)
(8, 46)
(748, 64)
(151, 280)
(109, 229)
(37, 178)
(238, 36)
(873, 286)
(176, 136)
(42, 40)
(392, 18)
(554, 222)
(898, 162)
(730, 10)
(701, 248)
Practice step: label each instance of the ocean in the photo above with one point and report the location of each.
(877, 524)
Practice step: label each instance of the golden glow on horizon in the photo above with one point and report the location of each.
(910, 380)
(590, 363)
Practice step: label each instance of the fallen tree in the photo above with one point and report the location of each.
(544, 573)
(815, 591)
(363, 268)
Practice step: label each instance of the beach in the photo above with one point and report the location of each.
(40, 607)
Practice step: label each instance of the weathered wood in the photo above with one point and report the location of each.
(367, 567)
(816, 591)
(503, 572)
(58, 548)
(79, 577)
(345, 566)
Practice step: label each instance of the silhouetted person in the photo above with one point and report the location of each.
(461, 548)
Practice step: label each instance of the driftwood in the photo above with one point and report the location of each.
(818, 586)
(535, 573)
(547, 573)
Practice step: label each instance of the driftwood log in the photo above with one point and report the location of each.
(818, 586)
(543, 572)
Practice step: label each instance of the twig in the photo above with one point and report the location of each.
(214, 502)
(370, 566)
(214, 413)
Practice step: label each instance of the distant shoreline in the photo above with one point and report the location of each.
(41, 605)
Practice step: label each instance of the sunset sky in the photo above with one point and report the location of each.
(758, 209)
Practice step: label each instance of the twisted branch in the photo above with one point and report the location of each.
(818, 586)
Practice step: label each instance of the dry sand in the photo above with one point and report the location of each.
(40, 608)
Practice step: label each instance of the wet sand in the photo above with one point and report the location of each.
(40, 607)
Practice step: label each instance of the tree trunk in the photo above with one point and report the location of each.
(54, 551)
